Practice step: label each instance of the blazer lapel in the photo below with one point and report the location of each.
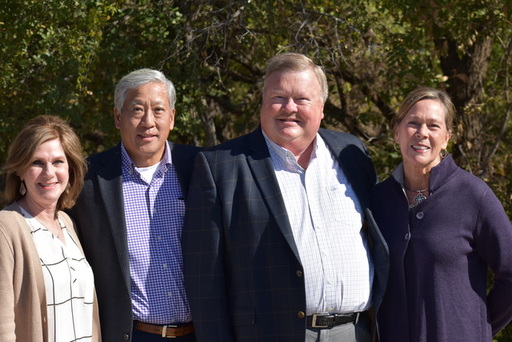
(263, 172)
(183, 157)
(110, 187)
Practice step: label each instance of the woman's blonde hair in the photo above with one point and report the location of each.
(426, 93)
(37, 131)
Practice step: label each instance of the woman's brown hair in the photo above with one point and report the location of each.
(37, 131)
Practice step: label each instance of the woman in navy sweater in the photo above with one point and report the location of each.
(445, 228)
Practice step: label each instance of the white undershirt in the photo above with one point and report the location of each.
(148, 172)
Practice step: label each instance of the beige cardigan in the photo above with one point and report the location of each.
(23, 313)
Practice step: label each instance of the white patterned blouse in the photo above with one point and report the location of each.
(69, 284)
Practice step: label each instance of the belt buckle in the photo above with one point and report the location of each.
(313, 321)
(164, 331)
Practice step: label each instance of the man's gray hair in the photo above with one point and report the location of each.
(138, 78)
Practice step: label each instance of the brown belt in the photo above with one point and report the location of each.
(168, 331)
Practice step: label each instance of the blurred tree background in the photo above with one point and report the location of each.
(64, 57)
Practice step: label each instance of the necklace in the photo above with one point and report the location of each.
(418, 198)
(53, 227)
(58, 229)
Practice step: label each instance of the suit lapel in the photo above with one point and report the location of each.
(262, 169)
(183, 157)
(110, 187)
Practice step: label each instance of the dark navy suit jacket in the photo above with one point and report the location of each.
(243, 273)
(100, 220)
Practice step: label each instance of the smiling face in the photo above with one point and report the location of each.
(46, 177)
(422, 134)
(292, 109)
(145, 122)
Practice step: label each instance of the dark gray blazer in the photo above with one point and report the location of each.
(243, 273)
(100, 220)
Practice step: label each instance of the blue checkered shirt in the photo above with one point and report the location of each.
(154, 214)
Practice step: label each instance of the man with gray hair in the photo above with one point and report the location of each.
(130, 216)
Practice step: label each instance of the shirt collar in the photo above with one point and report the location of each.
(398, 174)
(285, 156)
(437, 174)
(128, 164)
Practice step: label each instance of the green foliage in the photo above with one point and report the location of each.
(47, 49)
(64, 57)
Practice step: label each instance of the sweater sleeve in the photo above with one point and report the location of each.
(7, 325)
(494, 242)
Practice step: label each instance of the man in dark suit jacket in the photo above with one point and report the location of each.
(278, 242)
(130, 214)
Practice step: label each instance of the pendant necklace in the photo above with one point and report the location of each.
(418, 198)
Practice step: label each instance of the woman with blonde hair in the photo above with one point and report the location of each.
(445, 229)
(47, 286)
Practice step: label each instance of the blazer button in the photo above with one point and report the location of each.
(419, 215)
(301, 314)
(126, 337)
(299, 273)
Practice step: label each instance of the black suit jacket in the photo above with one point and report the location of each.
(243, 273)
(100, 220)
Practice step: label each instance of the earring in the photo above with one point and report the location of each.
(443, 153)
(23, 189)
(396, 146)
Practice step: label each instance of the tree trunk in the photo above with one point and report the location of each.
(466, 75)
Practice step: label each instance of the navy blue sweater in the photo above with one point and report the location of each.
(440, 252)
